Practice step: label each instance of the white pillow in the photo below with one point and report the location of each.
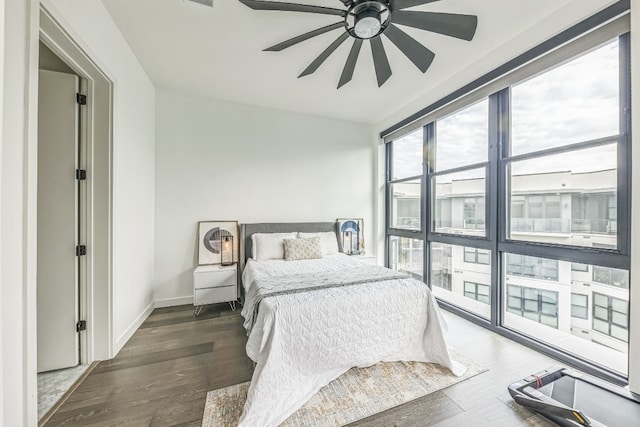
(295, 249)
(328, 241)
(269, 245)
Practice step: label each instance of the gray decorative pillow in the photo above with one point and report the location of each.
(295, 249)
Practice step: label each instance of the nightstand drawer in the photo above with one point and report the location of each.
(215, 278)
(214, 295)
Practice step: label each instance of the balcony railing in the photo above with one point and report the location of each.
(594, 226)
(541, 225)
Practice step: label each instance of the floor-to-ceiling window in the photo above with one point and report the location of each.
(517, 202)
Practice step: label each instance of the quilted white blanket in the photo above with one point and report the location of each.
(302, 341)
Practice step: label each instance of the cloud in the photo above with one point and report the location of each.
(574, 102)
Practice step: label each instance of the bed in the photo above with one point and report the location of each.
(309, 331)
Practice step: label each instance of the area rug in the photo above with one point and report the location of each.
(357, 394)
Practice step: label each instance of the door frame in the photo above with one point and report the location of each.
(96, 218)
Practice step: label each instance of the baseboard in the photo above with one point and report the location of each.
(170, 302)
(122, 340)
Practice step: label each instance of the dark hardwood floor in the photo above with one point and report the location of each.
(162, 375)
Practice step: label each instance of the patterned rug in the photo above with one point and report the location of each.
(357, 394)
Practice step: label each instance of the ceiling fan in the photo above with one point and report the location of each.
(369, 20)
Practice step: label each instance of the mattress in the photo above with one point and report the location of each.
(302, 341)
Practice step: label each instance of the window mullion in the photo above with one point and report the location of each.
(387, 219)
(429, 134)
(624, 145)
(498, 131)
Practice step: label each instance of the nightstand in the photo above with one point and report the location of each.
(367, 258)
(213, 284)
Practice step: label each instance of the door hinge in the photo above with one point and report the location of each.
(81, 99)
(81, 326)
(81, 174)
(81, 250)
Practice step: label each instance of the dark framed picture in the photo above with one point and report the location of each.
(211, 236)
(351, 235)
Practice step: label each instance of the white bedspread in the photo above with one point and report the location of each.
(301, 342)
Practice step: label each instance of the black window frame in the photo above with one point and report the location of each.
(496, 199)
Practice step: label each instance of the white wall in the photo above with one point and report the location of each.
(133, 158)
(17, 273)
(221, 161)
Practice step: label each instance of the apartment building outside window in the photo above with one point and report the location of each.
(477, 256)
(514, 184)
(477, 291)
(611, 277)
(529, 266)
(611, 316)
(579, 306)
(535, 304)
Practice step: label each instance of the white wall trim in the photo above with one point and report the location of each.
(170, 302)
(128, 333)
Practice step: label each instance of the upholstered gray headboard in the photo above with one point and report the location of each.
(247, 230)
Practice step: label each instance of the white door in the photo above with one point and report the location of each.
(57, 279)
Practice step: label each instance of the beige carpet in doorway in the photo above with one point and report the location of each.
(359, 393)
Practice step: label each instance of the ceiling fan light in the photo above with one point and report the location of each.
(367, 24)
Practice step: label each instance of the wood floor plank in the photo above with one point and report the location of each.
(154, 357)
(162, 375)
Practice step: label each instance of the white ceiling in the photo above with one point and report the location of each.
(217, 52)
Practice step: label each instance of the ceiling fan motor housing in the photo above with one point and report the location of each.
(366, 19)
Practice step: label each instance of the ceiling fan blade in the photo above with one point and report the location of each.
(350, 65)
(324, 55)
(449, 24)
(380, 61)
(292, 7)
(306, 36)
(403, 4)
(416, 52)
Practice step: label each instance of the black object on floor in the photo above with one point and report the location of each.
(571, 398)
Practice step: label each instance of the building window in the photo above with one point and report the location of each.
(456, 213)
(611, 277)
(477, 291)
(611, 316)
(534, 304)
(594, 213)
(441, 266)
(579, 306)
(477, 256)
(539, 213)
(474, 213)
(406, 255)
(530, 266)
(576, 266)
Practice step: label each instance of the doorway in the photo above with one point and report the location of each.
(60, 218)
(94, 214)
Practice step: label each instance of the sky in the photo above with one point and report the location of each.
(576, 101)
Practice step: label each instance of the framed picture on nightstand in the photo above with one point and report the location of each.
(211, 235)
(351, 235)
